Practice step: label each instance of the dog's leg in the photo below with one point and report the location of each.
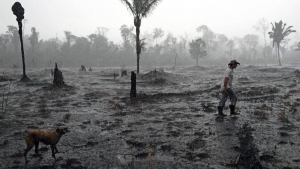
(36, 144)
(52, 149)
(29, 143)
(56, 151)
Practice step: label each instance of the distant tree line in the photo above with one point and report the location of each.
(157, 48)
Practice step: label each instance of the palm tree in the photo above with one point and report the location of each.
(140, 9)
(142, 42)
(278, 34)
(158, 33)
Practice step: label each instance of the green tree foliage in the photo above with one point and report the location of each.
(230, 45)
(140, 9)
(182, 45)
(157, 34)
(66, 46)
(34, 38)
(262, 26)
(169, 43)
(126, 33)
(80, 50)
(252, 41)
(5, 54)
(1, 51)
(170, 47)
(219, 42)
(15, 37)
(99, 45)
(197, 49)
(208, 37)
(298, 47)
(279, 32)
(50, 51)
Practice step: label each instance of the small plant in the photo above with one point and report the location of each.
(42, 106)
(67, 116)
(260, 112)
(97, 122)
(294, 107)
(286, 95)
(281, 115)
(149, 158)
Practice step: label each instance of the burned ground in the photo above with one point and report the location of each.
(170, 125)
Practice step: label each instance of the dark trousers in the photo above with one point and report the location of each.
(232, 96)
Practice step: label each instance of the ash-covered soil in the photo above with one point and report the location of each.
(170, 125)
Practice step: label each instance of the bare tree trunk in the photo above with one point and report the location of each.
(137, 24)
(175, 62)
(278, 54)
(24, 78)
(133, 85)
(265, 45)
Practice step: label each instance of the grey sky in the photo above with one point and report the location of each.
(229, 17)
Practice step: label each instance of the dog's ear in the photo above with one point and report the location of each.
(57, 130)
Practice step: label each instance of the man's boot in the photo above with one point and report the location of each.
(220, 111)
(232, 110)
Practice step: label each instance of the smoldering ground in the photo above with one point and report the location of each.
(170, 125)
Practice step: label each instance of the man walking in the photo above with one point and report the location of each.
(226, 88)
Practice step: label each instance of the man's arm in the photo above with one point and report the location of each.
(225, 82)
(225, 85)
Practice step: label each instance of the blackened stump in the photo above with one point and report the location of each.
(58, 77)
(133, 85)
(123, 73)
(82, 68)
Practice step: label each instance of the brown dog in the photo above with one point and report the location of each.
(48, 137)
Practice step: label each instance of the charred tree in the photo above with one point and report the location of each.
(133, 85)
(18, 10)
(123, 73)
(82, 68)
(58, 78)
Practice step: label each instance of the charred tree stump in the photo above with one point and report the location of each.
(82, 68)
(58, 77)
(123, 73)
(133, 85)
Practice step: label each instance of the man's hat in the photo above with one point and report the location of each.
(232, 62)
